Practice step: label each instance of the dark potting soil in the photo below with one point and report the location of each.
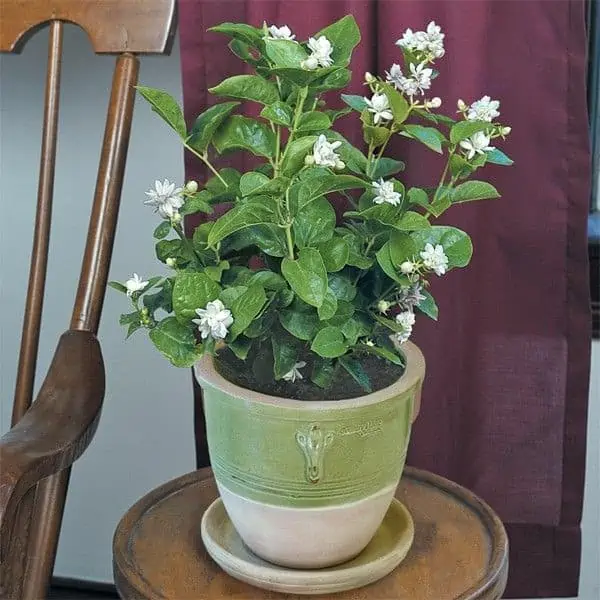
(381, 374)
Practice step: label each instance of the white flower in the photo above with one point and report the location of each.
(294, 372)
(485, 109)
(403, 84)
(386, 193)
(407, 267)
(408, 40)
(214, 320)
(324, 152)
(321, 49)
(478, 143)
(281, 33)
(166, 198)
(421, 75)
(135, 284)
(406, 320)
(433, 103)
(383, 306)
(379, 105)
(435, 258)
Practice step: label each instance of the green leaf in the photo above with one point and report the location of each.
(498, 157)
(465, 129)
(456, 243)
(215, 272)
(386, 167)
(240, 347)
(302, 324)
(314, 223)
(269, 238)
(268, 280)
(418, 196)
(117, 286)
(381, 352)
(356, 257)
(398, 104)
(252, 181)
(307, 276)
(334, 115)
(459, 167)
(329, 306)
(242, 50)
(313, 121)
(334, 253)
(229, 295)
(474, 190)
(323, 182)
(245, 309)
(247, 87)
(344, 36)
(329, 343)
(279, 113)
(163, 230)
(383, 213)
(163, 299)
(199, 202)
(355, 160)
(295, 154)
(376, 135)
(388, 323)
(428, 306)
(240, 31)
(224, 192)
(344, 311)
(192, 291)
(358, 103)
(354, 368)
(401, 248)
(322, 373)
(285, 53)
(411, 221)
(166, 107)
(285, 353)
(253, 212)
(429, 136)
(207, 123)
(175, 341)
(357, 326)
(335, 80)
(174, 249)
(243, 133)
(342, 287)
(385, 262)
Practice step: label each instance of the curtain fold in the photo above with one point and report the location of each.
(505, 400)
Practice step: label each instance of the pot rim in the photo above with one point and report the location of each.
(205, 372)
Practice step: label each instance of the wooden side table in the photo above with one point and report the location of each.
(460, 550)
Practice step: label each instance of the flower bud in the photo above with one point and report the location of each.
(171, 262)
(369, 342)
(369, 77)
(310, 64)
(309, 160)
(191, 186)
(407, 267)
(340, 165)
(176, 218)
(505, 130)
(461, 105)
(434, 102)
(383, 306)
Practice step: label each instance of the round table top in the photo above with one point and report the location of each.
(460, 551)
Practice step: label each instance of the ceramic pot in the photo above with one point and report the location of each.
(307, 484)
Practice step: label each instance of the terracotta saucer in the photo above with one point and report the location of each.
(384, 553)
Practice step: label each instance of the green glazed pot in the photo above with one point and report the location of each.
(307, 484)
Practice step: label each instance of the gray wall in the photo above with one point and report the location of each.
(145, 435)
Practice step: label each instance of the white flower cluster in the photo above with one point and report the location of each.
(281, 33)
(135, 284)
(435, 258)
(484, 109)
(386, 193)
(417, 81)
(214, 320)
(406, 320)
(431, 41)
(165, 198)
(321, 49)
(324, 154)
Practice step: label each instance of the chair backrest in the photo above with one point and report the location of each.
(125, 28)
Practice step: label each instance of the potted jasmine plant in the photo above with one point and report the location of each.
(296, 320)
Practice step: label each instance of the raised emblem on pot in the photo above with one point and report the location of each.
(313, 444)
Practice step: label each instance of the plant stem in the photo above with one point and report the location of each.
(204, 159)
(442, 178)
(290, 243)
(277, 151)
(297, 114)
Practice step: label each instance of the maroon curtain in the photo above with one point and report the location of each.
(504, 405)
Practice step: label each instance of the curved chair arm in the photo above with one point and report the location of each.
(57, 428)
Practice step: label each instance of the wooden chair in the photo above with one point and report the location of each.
(49, 435)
